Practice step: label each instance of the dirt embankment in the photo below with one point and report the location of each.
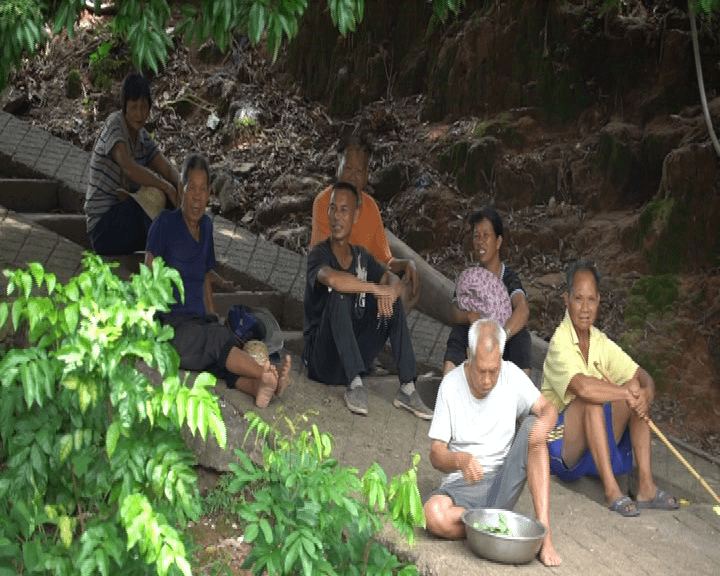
(585, 131)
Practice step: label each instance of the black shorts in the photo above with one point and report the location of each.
(203, 343)
(517, 349)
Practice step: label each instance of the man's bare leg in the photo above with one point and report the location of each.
(284, 379)
(538, 475)
(585, 429)
(443, 518)
(640, 438)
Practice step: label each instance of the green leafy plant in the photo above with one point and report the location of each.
(310, 515)
(21, 30)
(103, 66)
(94, 474)
(143, 24)
(441, 8)
(220, 500)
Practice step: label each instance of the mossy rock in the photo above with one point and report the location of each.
(563, 95)
(654, 148)
(614, 158)
(345, 99)
(656, 216)
(73, 85)
(660, 292)
(637, 312)
(650, 298)
(654, 361)
(453, 161)
(501, 129)
(672, 236)
(389, 181)
(476, 172)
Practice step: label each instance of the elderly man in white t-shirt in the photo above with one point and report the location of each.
(474, 439)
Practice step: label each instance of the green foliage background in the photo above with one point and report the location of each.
(142, 24)
(94, 472)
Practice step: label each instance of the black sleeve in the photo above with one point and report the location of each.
(320, 256)
(512, 281)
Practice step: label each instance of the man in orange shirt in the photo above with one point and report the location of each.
(369, 232)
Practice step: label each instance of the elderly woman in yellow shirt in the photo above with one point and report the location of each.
(600, 423)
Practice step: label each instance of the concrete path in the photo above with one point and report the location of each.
(590, 538)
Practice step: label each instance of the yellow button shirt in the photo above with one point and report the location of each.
(564, 360)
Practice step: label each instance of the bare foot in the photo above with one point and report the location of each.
(548, 555)
(284, 379)
(266, 385)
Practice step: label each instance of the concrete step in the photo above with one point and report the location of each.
(29, 194)
(70, 226)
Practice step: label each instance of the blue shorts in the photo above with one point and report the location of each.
(620, 453)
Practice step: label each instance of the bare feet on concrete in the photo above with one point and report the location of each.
(548, 555)
(266, 385)
(284, 379)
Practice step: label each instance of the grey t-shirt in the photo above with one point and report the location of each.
(106, 175)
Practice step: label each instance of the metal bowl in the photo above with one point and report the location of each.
(518, 548)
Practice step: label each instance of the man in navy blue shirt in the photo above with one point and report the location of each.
(184, 239)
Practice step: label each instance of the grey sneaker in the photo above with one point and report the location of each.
(413, 403)
(356, 400)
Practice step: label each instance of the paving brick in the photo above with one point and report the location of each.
(12, 135)
(263, 260)
(412, 319)
(52, 157)
(239, 251)
(440, 344)
(12, 233)
(31, 147)
(65, 260)
(72, 173)
(286, 270)
(36, 249)
(423, 334)
(4, 119)
(223, 235)
(297, 289)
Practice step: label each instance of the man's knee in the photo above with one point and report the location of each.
(436, 509)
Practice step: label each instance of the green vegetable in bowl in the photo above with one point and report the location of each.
(501, 528)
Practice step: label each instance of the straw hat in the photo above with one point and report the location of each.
(151, 200)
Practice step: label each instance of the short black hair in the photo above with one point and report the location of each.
(341, 185)
(135, 86)
(580, 265)
(195, 161)
(355, 141)
(490, 214)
